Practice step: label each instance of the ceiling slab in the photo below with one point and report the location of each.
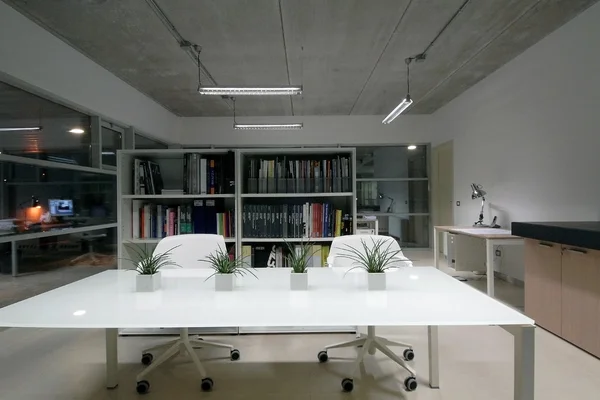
(348, 54)
(332, 47)
(523, 33)
(386, 86)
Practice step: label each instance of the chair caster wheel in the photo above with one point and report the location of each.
(347, 384)
(147, 359)
(410, 384)
(409, 354)
(322, 356)
(235, 354)
(207, 384)
(142, 387)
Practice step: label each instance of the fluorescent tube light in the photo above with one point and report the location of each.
(250, 91)
(282, 127)
(76, 130)
(398, 110)
(33, 128)
(412, 147)
(108, 153)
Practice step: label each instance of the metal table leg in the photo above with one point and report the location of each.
(14, 258)
(112, 359)
(434, 359)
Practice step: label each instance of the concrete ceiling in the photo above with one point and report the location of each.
(348, 54)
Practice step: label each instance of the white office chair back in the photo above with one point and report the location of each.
(340, 244)
(188, 249)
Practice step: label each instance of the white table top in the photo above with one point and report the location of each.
(415, 296)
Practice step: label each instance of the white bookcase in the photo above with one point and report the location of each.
(171, 162)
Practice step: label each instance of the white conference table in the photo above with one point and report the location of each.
(492, 236)
(420, 296)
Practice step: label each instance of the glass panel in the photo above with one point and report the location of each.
(393, 196)
(111, 142)
(410, 231)
(142, 142)
(53, 141)
(36, 199)
(391, 162)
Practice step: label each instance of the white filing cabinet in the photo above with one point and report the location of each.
(468, 253)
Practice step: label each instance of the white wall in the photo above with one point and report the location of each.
(32, 57)
(530, 133)
(318, 130)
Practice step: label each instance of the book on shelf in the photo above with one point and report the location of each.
(209, 174)
(308, 220)
(275, 256)
(156, 221)
(147, 178)
(331, 174)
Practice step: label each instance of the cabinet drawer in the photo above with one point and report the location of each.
(543, 276)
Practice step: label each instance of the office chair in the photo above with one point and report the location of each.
(192, 247)
(369, 342)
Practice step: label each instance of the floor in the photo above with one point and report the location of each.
(475, 363)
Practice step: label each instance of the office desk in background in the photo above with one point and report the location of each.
(187, 299)
(46, 231)
(491, 236)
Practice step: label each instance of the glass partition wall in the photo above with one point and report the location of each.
(393, 187)
(57, 203)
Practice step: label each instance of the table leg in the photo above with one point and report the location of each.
(436, 250)
(112, 360)
(434, 358)
(14, 258)
(489, 265)
(524, 362)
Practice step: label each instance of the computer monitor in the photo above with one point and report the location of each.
(60, 207)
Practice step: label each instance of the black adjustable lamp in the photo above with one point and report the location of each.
(478, 193)
(34, 202)
(390, 208)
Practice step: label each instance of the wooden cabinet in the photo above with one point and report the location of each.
(562, 291)
(543, 276)
(581, 297)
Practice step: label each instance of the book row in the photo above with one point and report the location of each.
(155, 221)
(274, 256)
(283, 175)
(308, 220)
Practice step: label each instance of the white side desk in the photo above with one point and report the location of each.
(108, 301)
(493, 237)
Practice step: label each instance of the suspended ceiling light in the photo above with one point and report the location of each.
(272, 127)
(33, 128)
(249, 91)
(406, 102)
(281, 127)
(77, 131)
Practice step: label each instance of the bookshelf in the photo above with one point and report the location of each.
(311, 190)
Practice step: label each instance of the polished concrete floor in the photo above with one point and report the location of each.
(475, 363)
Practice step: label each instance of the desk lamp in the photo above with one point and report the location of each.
(478, 192)
(390, 208)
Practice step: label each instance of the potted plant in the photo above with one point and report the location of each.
(375, 260)
(297, 258)
(225, 269)
(148, 265)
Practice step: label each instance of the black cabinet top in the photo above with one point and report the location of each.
(584, 234)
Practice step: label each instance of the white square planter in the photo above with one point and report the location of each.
(224, 282)
(299, 281)
(147, 283)
(376, 281)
